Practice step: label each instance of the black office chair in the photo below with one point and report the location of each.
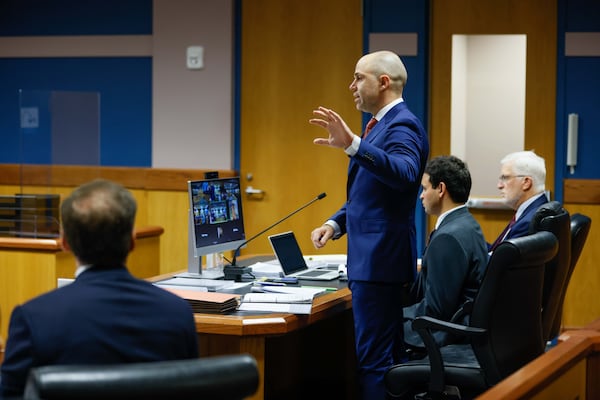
(580, 228)
(552, 217)
(220, 377)
(504, 332)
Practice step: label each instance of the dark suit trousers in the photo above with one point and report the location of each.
(379, 335)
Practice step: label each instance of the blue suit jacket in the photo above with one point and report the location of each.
(451, 272)
(521, 226)
(383, 182)
(104, 316)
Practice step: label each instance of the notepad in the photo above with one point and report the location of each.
(292, 308)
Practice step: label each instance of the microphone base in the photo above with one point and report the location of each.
(235, 273)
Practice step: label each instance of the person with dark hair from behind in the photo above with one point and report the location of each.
(456, 255)
(106, 315)
(522, 185)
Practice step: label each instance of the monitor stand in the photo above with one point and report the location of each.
(194, 269)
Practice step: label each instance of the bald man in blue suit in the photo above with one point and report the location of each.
(106, 315)
(384, 174)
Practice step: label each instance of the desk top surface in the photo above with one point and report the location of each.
(253, 323)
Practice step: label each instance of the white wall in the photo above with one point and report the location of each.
(192, 109)
(488, 118)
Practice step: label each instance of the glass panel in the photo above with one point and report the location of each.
(56, 128)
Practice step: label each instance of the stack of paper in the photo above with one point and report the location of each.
(211, 285)
(269, 269)
(294, 303)
(208, 302)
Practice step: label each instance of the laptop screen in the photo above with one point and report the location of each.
(288, 252)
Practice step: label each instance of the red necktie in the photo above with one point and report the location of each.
(369, 126)
(504, 233)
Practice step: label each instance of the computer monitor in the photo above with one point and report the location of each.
(215, 218)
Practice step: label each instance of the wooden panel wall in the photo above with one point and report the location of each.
(582, 303)
(535, 18)
(161, 195)
(296, 56)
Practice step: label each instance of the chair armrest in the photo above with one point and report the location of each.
(424, 325)
(463, 311)
(430, 323)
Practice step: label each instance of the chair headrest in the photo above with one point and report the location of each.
(580, 222)
(223, 377)
(549, 209)
(536, 248)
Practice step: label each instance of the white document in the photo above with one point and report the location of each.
(211, 284)
(277, 298)
(325, 258)
(301, 290)
(180, 287)
(277, 307)
(270, 269)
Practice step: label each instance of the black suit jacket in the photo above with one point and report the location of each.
(451, 272)
(104, 316)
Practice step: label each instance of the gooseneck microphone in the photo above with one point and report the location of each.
(234, 272)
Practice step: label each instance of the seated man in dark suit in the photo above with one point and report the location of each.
(456, 255)
(522, 185)
(106, 315)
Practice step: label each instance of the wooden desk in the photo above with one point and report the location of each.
(30, 267)
(299, 356)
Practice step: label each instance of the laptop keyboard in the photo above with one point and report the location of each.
(320, 265)
(316, 272)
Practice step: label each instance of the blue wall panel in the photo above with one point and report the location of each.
(407, 16)
(125, 88)
(75, 17)
(124, 84)
(578, 91)
(582, 96)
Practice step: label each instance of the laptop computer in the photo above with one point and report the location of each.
(288, 253)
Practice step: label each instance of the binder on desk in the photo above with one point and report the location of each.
(208, 302)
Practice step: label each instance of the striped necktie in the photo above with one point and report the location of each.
(369, 126)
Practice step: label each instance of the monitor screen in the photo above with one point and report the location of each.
(216, 211)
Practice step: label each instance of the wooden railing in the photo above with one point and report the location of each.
(570, 370)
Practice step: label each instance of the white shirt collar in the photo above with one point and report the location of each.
(81, 269)
(526, 204)
(441, 217)
(381, 113)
